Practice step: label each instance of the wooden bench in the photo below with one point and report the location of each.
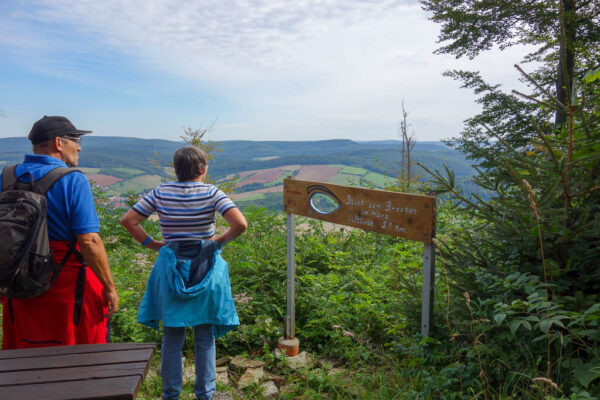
(88, 371)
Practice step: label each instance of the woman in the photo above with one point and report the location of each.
(189, 284)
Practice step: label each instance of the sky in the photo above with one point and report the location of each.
(248, 69)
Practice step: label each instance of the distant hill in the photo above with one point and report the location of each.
(128, 159)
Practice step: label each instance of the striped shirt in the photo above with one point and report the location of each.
(186, 210)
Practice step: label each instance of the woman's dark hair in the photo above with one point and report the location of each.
(188, 161)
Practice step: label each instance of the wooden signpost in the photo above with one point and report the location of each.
(409, 216)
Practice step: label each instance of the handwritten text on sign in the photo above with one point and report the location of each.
(409, 216)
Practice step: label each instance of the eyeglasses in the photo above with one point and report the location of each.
(76, 139)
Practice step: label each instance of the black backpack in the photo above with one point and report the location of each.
(26, 267)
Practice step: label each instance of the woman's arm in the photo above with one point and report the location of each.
(237, 225)
(131, 221)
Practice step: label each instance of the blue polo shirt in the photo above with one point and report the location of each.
(71, 209)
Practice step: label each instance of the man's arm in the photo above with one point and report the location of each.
(94, 254)
(237, 225)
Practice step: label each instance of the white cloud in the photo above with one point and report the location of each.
(306, 68)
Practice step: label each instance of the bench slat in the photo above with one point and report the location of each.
(74, 360)
(72, 374)
(78, 349)
(122, 388)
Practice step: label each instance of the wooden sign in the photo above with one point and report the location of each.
(409, 216)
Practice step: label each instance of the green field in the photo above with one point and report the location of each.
(123, 173)
(353, 170)
(88, 170)
(345, 179)
(379, 180)
(251, 198)
(138, 184)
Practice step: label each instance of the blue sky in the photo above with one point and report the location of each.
(255, 70)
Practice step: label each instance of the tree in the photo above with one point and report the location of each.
(407, 146)
(195, 137)
(527, 253)
(566, 46)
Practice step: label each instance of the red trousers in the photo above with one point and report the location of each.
(71, 312)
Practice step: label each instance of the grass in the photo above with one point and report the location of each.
(252, 198)
(123, 173)
(138, 184)
(379, 180)
(90, 170)
(354, 171)
(345, 179)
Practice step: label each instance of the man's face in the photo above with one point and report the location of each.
(70, 151)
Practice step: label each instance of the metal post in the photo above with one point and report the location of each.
(428, 285)
(290, 320)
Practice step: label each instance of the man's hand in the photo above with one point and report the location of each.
(110, 298)
(94, 254)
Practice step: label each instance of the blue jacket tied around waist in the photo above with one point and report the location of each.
(168, 299)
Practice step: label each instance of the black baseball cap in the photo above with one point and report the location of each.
(48, 128)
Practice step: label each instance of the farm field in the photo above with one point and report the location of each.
(259, 186)
(256, 194)
(103, 180)
(138, 184)
(265, 187)
(337, 174)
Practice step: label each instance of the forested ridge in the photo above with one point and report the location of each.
(244, 155)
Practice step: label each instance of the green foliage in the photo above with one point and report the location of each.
(525, 257)
(195, 137)
(563, 35)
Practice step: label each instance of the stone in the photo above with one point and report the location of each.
(287, 389)
(222, 369)
(251, 376)
(335, 371)
(241, 362)
(223, 361)
(222, 396)
(278, 380)
(300, 361)
(269, 389)
(222, 378)
(188, 373)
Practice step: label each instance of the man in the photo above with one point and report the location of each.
(75, 309)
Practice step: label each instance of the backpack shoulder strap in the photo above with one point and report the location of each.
(8, 176)
(46, 181)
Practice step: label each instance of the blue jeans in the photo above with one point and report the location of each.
(205, 357)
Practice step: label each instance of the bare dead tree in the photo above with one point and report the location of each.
(408, 144)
